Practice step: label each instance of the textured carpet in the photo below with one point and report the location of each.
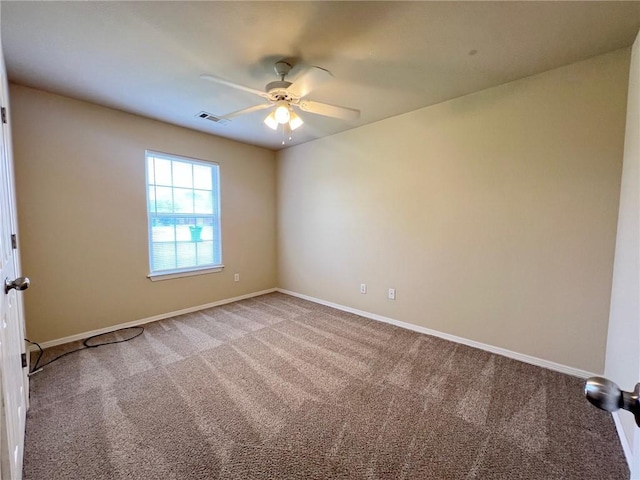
(277, 387)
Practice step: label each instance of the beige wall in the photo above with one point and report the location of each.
(623, 342)
(493, 215)
(80, 173)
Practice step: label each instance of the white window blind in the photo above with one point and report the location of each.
(183, 198)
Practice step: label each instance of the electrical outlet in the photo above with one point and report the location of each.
(236, 277)
(392, 294)
(363, 288)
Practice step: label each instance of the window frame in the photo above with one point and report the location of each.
(168, 274)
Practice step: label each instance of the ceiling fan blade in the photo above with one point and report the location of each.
(329, 110)
(255, 108)
(237, 86)
(308, 81)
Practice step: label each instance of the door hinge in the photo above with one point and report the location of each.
(24, 360)
(14, 241)
(4, 115)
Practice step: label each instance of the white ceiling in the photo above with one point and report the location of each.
(387, 58)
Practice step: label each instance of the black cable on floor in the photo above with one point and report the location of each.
(85, 346)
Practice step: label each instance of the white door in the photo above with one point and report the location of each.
(13, 376)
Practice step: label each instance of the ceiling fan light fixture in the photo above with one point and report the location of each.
(295, 121)
(271, 121)
(282, 112)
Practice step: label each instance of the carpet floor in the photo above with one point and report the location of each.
(275, 387)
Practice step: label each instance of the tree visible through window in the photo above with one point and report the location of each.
(184, 214)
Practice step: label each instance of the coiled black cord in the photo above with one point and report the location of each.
(85, 346)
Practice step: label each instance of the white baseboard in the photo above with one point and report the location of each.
(634, 459)
(628, 453)
(471, 343)
(142, 321)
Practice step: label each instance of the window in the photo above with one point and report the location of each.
(183, 198)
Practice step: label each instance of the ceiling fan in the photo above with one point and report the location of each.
(285, 95)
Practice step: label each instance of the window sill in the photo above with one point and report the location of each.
(156, 277)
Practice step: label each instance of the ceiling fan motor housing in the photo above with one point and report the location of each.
(277, 88)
